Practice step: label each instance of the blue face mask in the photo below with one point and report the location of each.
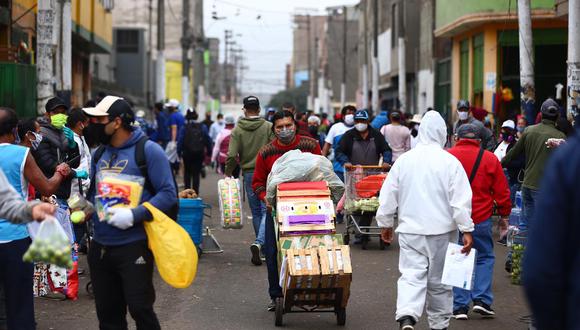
(520, 129)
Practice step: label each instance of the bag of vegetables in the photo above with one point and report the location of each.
(51, 245)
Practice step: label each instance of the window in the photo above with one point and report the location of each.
(127, 41)
(478, 64)
(464, 69)
(443, 87)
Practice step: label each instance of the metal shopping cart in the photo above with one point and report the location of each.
(363, 184)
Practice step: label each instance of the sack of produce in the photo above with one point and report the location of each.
(51, 245)
(230, 199)
(364, 205)
(297, 166)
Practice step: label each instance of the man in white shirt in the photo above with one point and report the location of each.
(508, 137)
(335, 133)
(77, 121)
(429, 189)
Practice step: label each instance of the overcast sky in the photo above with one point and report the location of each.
(263, 28)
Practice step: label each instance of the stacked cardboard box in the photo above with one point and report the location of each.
(306, 242)
(323, 267)
(304, 208)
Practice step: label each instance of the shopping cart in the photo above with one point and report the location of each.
(363, 184)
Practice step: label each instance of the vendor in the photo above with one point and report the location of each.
(284, 127)
(363, 145)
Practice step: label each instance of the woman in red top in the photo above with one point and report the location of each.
(284, 127)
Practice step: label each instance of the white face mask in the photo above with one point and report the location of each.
(463, 115)
(361, 127)
(349, 120)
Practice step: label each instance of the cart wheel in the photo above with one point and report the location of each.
(382, 244)
(346, 239)
(89, 289)
(279, 311)
(341, 316)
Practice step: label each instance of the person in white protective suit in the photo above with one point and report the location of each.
(429, 188)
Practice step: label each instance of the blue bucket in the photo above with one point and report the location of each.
(190, 217)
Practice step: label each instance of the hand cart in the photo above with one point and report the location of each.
(295, 302)
(363, 184)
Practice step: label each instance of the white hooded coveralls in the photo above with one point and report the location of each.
(429, 189)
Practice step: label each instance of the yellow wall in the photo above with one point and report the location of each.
(173, 81)
(92, 16)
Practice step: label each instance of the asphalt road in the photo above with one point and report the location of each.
(230, 293)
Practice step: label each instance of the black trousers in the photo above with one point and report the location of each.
(192, 171)
(122, 277)
(16, 279)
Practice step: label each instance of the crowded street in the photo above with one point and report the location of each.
(297, 164)
(229, 292)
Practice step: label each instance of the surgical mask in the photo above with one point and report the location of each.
(58, 121)
(286, 136)
(313, 130)
(520, 129)
(36, 142)
(221, 122)
(361, 127)
(463, 115)
(349, 120)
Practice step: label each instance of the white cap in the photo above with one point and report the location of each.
(173, 103)
(416, 119)
(140, 114)
(509, 124)
(102, 109)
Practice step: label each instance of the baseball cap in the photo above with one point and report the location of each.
(509, 124)
(463, 104)
(112, 107)
(251, 101)
(416, 119)
(361, 115)
(468, 131)
(230, 120)
(550, 109)
(173, 103)
(54, 103)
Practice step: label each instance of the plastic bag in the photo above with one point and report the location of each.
(51, 245)
(117, 190)
(171, 152)
(173, 250)
(230, 199)
(297, 166)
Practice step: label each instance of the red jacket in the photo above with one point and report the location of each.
(270, 153)
(489, 183)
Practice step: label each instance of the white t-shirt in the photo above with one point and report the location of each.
(336, 130)
(501, 150)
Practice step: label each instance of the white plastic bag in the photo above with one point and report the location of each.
(171, 152)
(230, 199)
(51, 245)
(297, 166)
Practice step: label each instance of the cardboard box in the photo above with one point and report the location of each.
(302, 270)
(336, 269)
(306, 242)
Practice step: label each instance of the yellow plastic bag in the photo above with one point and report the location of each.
(174, 251)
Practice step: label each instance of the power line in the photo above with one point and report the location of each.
(252, 8)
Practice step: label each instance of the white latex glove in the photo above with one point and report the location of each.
(121, 218)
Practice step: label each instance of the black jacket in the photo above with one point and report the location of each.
(344, 150)
(52, 151)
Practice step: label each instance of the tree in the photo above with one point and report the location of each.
(297, 95)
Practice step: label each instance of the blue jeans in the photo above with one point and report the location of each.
(529, 197)
(485, 259)
(271, 253)
(257, 207)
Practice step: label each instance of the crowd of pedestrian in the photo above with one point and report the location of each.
(441, 188)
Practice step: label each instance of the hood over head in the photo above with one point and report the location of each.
(433, 129)
(251, 124)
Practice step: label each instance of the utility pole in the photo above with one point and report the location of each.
(149, 55)
(375, 63)
(315, 76)
(46, 44)
(227, 37)
(365, 72)
(310, 101)
(160, 64)
(527, 87)
(402, 57)
(573, 60)
(344, 54)
(199, 46)
(64, 46)
(186, 41)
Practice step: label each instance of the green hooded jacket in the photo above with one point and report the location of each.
(247, 138)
